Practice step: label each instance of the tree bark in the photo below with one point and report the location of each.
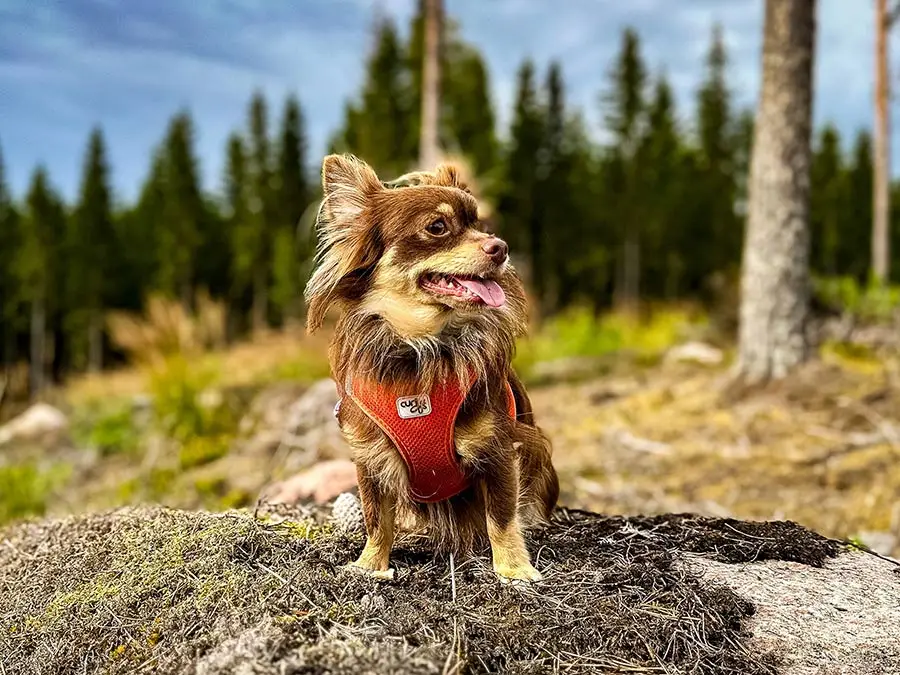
(429, 144)
(881, 251)
(775, 270)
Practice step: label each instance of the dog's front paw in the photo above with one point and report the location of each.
(365, 568)
(523, 572)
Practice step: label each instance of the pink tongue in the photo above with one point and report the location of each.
(489, 291)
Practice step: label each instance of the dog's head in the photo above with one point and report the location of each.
(412, 251)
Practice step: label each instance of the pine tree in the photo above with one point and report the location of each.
(382, 126)
(43, 227)
(775, 271)
(586, 234)
(90, 255)
(470, 112)
(854, 256)
(239, 225)
(262, 208)
(10, 290)
(624, 109)
(517, 202)
(183, 209)
(827, 201)
(660, 155)
(292, 200)
(139, 231)
(716, 135)
(552, 203)
(386, 132)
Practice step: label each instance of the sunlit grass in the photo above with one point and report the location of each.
(580, 332)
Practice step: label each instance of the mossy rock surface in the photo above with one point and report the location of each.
(154, 590)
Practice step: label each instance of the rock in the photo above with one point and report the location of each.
(314, 409)
(320, 483)
(226, 593)
(302, 427)
(695, 352)
(269, 407)
(829, 620)
(884, 543)
(39, 423)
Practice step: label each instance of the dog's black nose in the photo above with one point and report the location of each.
(496, 249)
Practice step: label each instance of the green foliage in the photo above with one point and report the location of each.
(623, 103)
(580, 332)
(181, 212)
(91, 246)
(305, 366)
(379, 124)
(182, 401)
(517, 203)
(10, 294)
(653, 212)
(109, 428)
(24, 489)
(42, 230)
(870, 302)
(189, 410)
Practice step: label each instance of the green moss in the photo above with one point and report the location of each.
(304, 529)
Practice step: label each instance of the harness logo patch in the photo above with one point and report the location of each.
(409, 407)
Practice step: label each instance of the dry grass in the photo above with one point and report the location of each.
(269, 357)
(821, 448)
(164, 591)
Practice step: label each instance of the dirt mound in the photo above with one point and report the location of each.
(165, 591)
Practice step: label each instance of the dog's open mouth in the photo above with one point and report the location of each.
(466, 288)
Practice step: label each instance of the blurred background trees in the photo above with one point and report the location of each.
(653, 212)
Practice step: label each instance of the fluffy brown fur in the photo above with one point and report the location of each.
(377, 242)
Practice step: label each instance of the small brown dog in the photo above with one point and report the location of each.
(441, 428)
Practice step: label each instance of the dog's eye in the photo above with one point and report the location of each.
(438, 228)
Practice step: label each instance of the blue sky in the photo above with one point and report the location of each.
(66, 65)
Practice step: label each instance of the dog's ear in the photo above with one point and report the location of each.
(347, 241)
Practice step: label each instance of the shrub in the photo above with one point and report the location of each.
(869, 302)
(579, 332)
(111, 431)
(24, 489)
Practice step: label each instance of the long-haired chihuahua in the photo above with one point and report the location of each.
(441, 428)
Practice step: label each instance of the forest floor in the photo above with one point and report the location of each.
(633, 433)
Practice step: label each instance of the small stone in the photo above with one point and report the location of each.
(695, 352)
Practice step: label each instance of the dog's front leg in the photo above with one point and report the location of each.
(510, 555)
(378, 515)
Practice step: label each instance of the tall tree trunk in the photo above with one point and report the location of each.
(881, 251)
(775, 273)
(429, 144)
(260, 299)
(38, 346)
(95, 342)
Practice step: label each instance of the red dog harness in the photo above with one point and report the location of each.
(421, 427)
